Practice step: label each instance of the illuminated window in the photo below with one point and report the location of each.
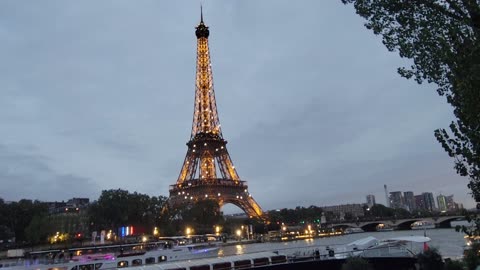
(122, 264)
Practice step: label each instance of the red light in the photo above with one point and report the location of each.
(79, 235)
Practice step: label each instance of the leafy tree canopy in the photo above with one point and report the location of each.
(442, 39)
(115, 208)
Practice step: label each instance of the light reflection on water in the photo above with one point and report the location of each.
(239, 249)
(449, 242)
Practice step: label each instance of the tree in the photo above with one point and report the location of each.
(116, 208)
(356, 263)
(381, 211)
(471, 257)
(202, 216)
(430, 259)
(442, 38)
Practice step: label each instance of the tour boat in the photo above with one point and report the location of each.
(423, 224)
(383, 227)
(131, 258)
(352, 230)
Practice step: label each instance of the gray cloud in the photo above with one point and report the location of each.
(99, 95)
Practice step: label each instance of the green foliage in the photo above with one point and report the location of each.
(356, 263)
(202, 216)
(38, 230)
(442, 38)
(16, 216)
(311, 214)
(453, 265)
(430, 259)
(471, 258)
(116, 208)
(380, 210)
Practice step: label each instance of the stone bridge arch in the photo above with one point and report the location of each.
(444, 222)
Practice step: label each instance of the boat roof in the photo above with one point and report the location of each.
(208, 261)
(413, 238)
(363, 241)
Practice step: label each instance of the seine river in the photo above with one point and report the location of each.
(449, 242)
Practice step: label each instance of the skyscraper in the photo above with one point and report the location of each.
(370, 200)
(396, 199)
(429, 201)
(450, 203)
(442, 203)
(387, 199)
(419, 202)
(409, 200)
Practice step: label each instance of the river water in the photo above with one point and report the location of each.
(449, 242)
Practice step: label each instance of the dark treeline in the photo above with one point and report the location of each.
(30, 222)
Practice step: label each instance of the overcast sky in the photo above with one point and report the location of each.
(99, 95)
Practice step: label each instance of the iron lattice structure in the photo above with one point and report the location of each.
(208, 171)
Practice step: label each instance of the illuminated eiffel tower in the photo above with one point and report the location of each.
(208, 172)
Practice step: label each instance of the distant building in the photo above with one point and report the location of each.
(74, 205)
(419, 202)
(387, 199)
(442, 203)
(356, 210)
(450, 203)
(409, 200)
(370, 200)
(429, 201)
(396, 199)
(78, 202)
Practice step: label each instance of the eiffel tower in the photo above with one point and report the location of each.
(208, 172)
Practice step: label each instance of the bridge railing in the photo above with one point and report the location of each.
(209, 182)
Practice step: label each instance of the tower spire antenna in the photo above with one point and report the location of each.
(201, 14)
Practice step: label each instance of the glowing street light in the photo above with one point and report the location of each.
(188, 231)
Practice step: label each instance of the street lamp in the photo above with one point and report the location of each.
(188, 231)
(239, 234)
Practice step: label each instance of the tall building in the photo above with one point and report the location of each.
(355, 209)
(450, 204)
(370, 200)
(419, 202)
(429, 201)
(442, 203)
(396, 199)
(409, 200)
(387, 199)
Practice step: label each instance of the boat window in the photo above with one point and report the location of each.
(86, 267)
(200, 267)
(162, 258)
(137, 262)
(242, 264)
(98, 266)
(150, 260)
(222, 266)
(122, 264)
(278, 259)
(260, 261)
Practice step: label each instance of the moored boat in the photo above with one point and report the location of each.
(422, 225)
(119, 259)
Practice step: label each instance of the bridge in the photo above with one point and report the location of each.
(401, 224)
